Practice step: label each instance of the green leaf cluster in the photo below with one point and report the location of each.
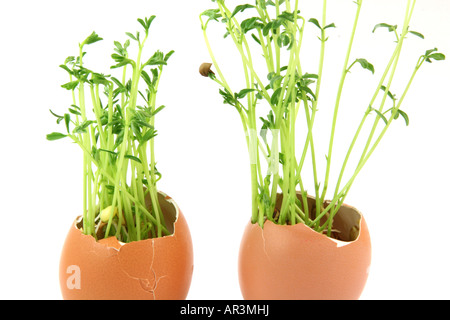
(281, 84)
(112, 119)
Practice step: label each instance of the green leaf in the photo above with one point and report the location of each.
(55, 136)
(417, 34)
(119, 139)
(92, 39)
(119, 48)
(271, 3)
(133, 158)
(243, 93)
(121, 61)
(168, 55)
(282, 158)
(143, 123)
(388, 93)
(331, 25)
(149, 21)
(289, 16)
(136, 130)
(155, 74)
(283, 40)
(63, 66)
(70, 85)
(385, 25)
(156, 59)
(146, 24)
(256, 39)
(132, 36)
(151, 133)
(82, 127)
(435, 56)
(310, 76)
(274, 79)
(315, 22)
(272, 25)
(158, 110)
(69, 59)
(307, 90)
(428, 52)
(366, 65)
(250, 24)
(404, 115)
(228, 98)
(212, 14)
(380, 115)
(67, 121)
(109, 151)
(275, 97)
(241, 8)
(146, 77)
(268, 123)
(98, 78)
(56, 115)
(118, 83)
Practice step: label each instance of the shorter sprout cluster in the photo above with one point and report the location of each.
(113, 121)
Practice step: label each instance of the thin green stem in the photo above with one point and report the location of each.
(361, 125)
(152, 184)
(339, 198)
(338, 98)
(88, 208)
(395, 59)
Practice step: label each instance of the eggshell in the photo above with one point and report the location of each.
(294, 262)
(159, 268)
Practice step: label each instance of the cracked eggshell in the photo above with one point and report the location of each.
(294, 262)
(159, 268)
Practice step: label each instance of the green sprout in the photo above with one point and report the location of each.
(112, 120)
(274, 29)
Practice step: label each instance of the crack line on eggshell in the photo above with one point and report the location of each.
(141, 280)
(153, 291)
(156, 283)
(264, 245)
(153, 271)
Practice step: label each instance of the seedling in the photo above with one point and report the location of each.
(274, 29)
(112, 120)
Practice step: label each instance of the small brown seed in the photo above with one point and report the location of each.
(205, 69)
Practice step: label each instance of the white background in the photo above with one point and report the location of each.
(403, 191)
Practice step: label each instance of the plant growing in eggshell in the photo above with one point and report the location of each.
(300, 227)
(132, 240)
(274, 30)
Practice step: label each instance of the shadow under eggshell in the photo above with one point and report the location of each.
(159, 268)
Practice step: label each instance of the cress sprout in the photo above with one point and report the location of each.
(275, 29)
(112, 120)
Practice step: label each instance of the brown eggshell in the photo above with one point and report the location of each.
(294, 262)
(159, 268)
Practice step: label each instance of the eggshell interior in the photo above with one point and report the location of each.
(159, 268)
(294, 262)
